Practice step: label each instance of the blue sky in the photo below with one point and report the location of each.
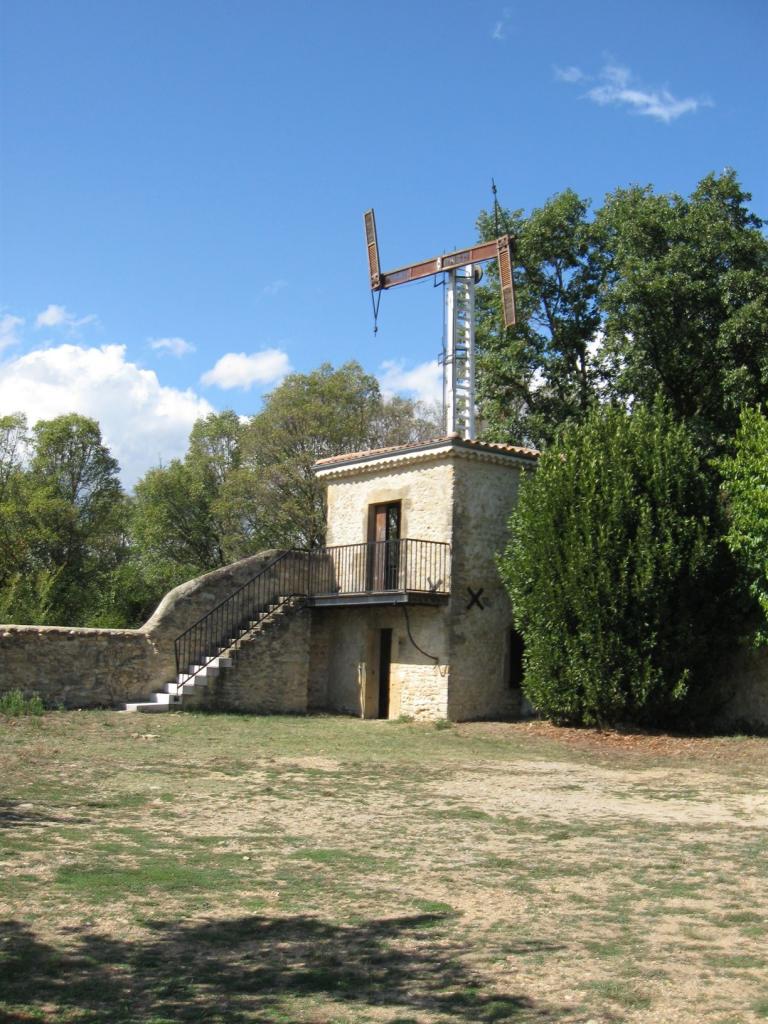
(183, 182)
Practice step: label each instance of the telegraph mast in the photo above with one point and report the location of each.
(462, 271)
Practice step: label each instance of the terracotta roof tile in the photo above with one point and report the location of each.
(455, 439)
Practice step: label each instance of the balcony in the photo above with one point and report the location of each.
(403, 571)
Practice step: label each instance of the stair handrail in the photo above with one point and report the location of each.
(216, 625)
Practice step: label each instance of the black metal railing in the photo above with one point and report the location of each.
(415, 566)
(381, 567)
(224, 626)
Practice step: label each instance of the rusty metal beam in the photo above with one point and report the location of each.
(500, 249)
(504, 255)
(372, 243)
(426, 268)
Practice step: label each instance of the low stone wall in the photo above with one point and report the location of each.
(82, 668)
(76, 668)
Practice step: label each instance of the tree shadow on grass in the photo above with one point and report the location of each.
(13, 813)
(251, 969)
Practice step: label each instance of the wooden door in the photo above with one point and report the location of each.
(384, 546)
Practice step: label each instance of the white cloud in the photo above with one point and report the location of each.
(615, 87)
(500, 27)
(9, 326)
(424, 382)
(274, 287)
(59, 316)
(175, 346)
(239, 370)
(570, 74)
(142, 421)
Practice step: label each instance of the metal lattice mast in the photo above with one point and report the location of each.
(458, 356)
(459, 353)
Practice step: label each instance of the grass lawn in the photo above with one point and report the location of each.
(331, 871)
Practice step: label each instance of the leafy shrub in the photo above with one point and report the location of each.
(14, 704)
(613, 568)
(745, 476)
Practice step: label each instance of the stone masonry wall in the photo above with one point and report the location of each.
(350, 636)
(418, 682)
(344, 640)
(75, 667)
(747, 681)
(319, 656)
(271, 673)
(425, 491)
(485, 492)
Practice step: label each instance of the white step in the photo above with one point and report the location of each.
(147, 707)
(164, 698)
(198, 672)
(203, 671)
(184, 684)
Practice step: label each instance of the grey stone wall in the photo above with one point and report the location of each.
(76, 668)
(319, 656)
(73, 667)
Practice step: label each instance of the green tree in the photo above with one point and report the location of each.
(614, 568)
(546, 369)
(273, 498)
(655, 294)
(74, 522)
(685, 298)
(215, 447)
(14, 525)
(745, 476)
(173, 528)
(178, 523)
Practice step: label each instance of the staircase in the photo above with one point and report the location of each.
(211, 645)
(195, 678)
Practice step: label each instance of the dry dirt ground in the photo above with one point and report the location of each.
(330, 871)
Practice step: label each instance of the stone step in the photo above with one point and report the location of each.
(147, 707)
(164, 697)
(203, 671)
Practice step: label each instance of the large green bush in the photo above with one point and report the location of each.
(745, 476)
(612, 567)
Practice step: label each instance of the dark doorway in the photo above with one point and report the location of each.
(385, 662)
(516, 663)
(384, 546)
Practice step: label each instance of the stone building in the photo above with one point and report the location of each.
(420, 623)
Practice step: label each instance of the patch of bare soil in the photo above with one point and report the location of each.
(612, 878)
